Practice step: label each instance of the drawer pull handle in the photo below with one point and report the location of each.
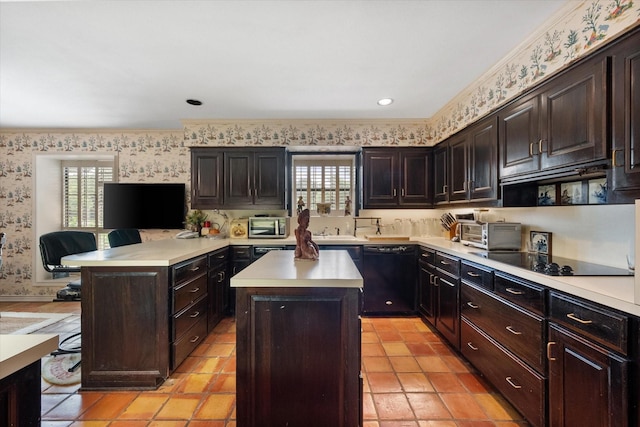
(472, 274)
(196, 268)
(450, 284)
(512, 384)
(472, 347)
(549, 344)
(514, 291)
(194, 290)
(425, 255)
(194, 315)
(513, 331)
(472, 305)
(195, 339)
(444, 263)
(572, 316)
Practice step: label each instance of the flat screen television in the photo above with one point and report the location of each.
(144, 206)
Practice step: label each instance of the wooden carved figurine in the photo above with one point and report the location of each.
(305, 247)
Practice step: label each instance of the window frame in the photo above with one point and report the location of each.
(325, 158)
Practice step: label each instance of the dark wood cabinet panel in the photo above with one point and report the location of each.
(471, 171)
(441, 174)
(397, 177)
(561, 123)
(120, 308)
(587, 384)
(20, 397)
(447, 281)
(309, 375)
(217, 287)
(574, 116)
(206, 178)
(427, 286)
(626, 119)
(238, 178)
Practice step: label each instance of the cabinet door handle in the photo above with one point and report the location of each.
(194, 290)
(513, 331)
(514, 291)
(395, 192)
(614, 155)
(444, 188)
(195, 339)
(512, 384)
(572, 316)
(472, 305)
(472, 347)
(540, 142)
(531, 149)
(436, 280)
(549, 344)
(402, 192)
(194, 315)
(472, 274)
(221, 276)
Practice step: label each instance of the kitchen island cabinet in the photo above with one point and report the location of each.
(298, 341)
(144, 309)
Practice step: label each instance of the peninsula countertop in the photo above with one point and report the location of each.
(333, 269)
(18, 351)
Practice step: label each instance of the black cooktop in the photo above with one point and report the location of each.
(553, 265)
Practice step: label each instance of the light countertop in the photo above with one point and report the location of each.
(18, 351)
(612, 291)
(333, 269)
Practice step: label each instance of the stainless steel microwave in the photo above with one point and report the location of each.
(268, 227)
(491, 236)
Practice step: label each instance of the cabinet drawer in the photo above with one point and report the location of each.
(427, 255)
(519, 331)
(217, 258)
(448, 263)
(188, 270)
(519, 384)
(188, 342)
(607, 327)
(241, 252)
(186, 318)
(187, 293)
(520, 292)
(477, 274)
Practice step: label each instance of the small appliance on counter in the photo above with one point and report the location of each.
(491, 236)
(239, 228)
(268, 227)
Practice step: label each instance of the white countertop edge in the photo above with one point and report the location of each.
(298, 283)
(618, 293)
(18, 351)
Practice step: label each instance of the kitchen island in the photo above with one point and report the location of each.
(298, 341)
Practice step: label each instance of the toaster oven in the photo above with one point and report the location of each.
(491, 236)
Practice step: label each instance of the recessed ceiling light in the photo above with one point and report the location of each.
(194, 102)
(385, 101)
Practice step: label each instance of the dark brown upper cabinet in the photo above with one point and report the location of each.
(255, 178)
(397, 178)
(625, 118)
(238, 178)
(562, 123)
(465, 165)
(206, 178)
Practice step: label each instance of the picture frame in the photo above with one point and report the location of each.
(571, 193)
(598, 191)
(546, 195)
(540, 242)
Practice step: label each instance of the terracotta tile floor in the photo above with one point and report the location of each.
(411, 379)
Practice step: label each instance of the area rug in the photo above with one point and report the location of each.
(23, 323)
(55, 369)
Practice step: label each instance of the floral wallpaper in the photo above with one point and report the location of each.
(163, 156)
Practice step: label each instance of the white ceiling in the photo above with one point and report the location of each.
(132, 64)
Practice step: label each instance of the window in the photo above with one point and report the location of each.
(82, 194)
(324, 179)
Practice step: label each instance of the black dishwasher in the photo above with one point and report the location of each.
(390, 275)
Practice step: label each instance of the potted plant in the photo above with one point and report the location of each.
(194, 220)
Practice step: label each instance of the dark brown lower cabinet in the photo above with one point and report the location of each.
(298, 357)
(587, 384)
(518, 383)
(20, 399)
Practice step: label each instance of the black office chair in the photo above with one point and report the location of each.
(123, 237)
(58, 244)
(54, 246)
